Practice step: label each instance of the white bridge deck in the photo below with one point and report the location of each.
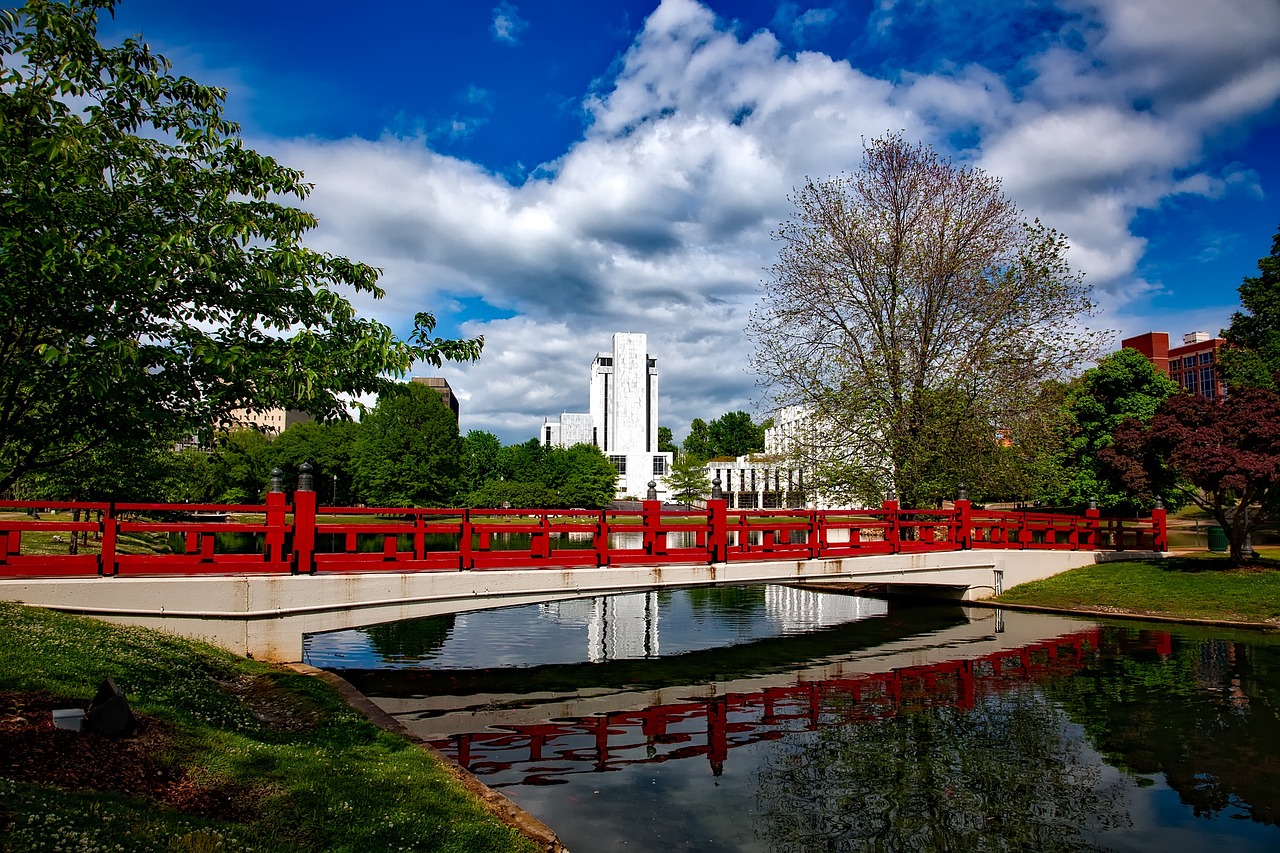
(266, 616)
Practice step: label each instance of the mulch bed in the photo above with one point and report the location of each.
(33, 750)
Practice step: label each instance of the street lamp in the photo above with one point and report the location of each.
(334, 501)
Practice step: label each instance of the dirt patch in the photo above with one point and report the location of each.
(33, 750)
(278, 710)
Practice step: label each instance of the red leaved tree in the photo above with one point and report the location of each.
(1225, 455)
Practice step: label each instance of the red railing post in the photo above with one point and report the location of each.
(1092, 516)
(1160, 528)
(1026, 536)
(892, 534)
(1093, 528)
(718, 536)
(304, 523)
(466, 554)
(963, 519)
(277, 509)
(601, 539)
(107, 555)
(540, 539)
(651, 518)
(420, 537)
(814, 537)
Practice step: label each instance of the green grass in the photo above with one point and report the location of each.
(1197, 586)
(51, 543)
(328, 780)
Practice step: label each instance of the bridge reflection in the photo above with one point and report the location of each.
(547, 753)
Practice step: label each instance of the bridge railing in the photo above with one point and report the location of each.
(282, 536)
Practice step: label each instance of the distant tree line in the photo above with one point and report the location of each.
(405, 451)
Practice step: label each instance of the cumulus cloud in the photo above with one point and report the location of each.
(659, 218)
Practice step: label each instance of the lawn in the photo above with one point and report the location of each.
(232, 755)
(1191, 586)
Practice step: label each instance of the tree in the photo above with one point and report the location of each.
(581, 476)
(1124, 385)
(666, 441)
(687, 478)
(735, 434)
(522, 462)
(407, 448)
(516, 494)
(240, 466)
(481, 460)
(1253, 359)
(328, 446)
(1223, 455)
(153, 274)
(910, 278)
(698, 442)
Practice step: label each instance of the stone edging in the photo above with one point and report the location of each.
(1124, 614)
(501, 807)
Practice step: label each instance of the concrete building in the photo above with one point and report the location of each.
(623, 416)
(1190, 365)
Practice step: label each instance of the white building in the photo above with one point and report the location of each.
(623, 421)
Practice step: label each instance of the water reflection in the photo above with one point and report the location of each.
(924, 728)
(645, 625)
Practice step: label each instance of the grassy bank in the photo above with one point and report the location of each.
(1192, 586)
(232, 755)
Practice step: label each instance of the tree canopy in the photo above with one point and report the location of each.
(529, 476)
(687, 478)
(154, 276)
(407, 449)
(908, 282)
(732, 434)
(1253, 359)
(1124, 385)
(1224, 456)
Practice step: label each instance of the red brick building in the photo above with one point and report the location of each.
(1189, 365)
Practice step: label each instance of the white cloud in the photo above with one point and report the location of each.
(507, 23)
(658, 220)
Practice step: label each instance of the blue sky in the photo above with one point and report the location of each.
(547, 173)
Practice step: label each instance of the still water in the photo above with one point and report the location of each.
(777, 719)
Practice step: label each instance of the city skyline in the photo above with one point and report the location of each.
(546, 174)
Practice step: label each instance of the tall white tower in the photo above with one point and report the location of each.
(623, 418)
(624, 396)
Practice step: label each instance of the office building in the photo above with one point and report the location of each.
(1190, 365)
(623, 416)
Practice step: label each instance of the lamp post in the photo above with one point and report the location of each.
(334, 501)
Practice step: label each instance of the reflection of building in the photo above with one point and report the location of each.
(805, 609)
(1191, 365)
(625, 627)
(623, 421)
(441, 387)
(619, 627)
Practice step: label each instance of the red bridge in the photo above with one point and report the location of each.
(303, 538)
(256, 578)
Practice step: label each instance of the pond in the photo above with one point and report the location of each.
(780, 719)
